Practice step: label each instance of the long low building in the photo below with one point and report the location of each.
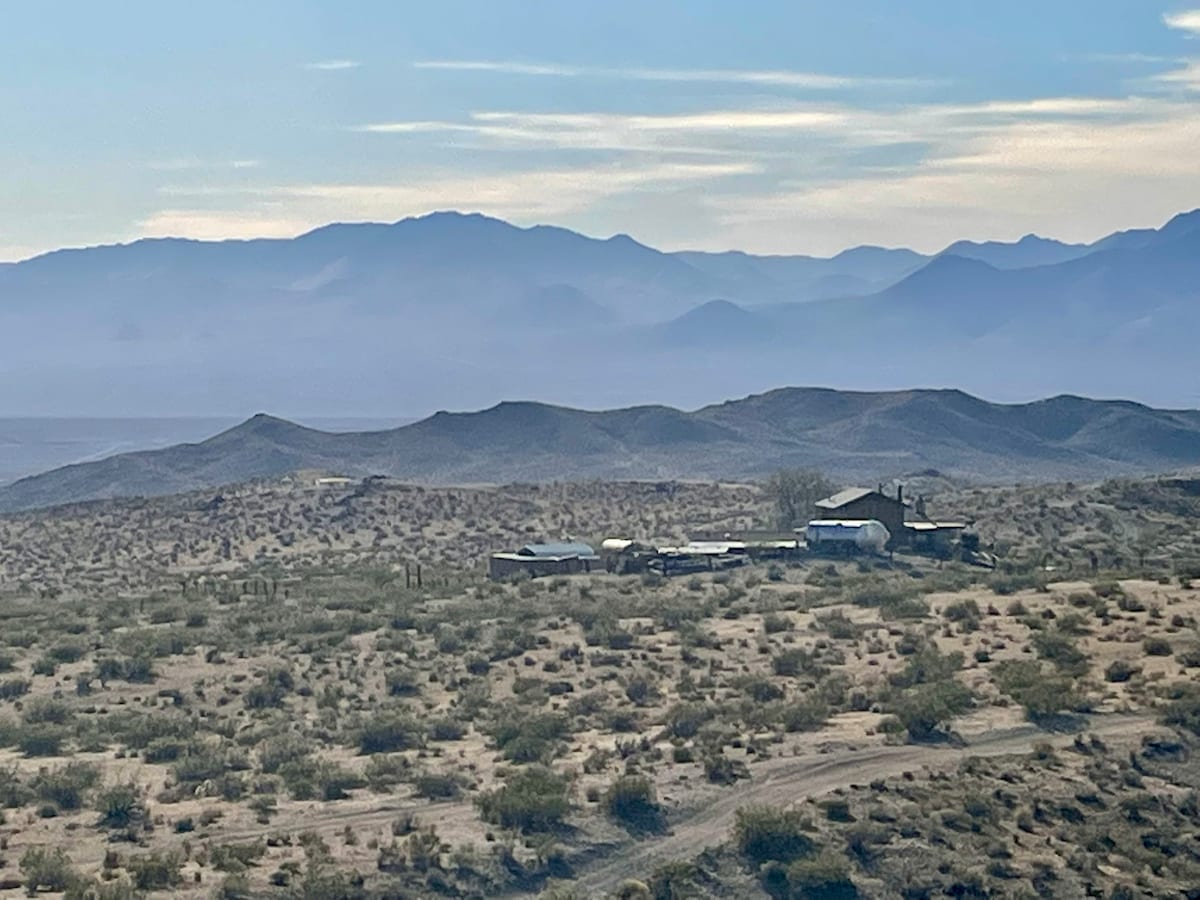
(536, 560)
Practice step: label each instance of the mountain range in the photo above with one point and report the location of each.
(849, 435)
(454, 310)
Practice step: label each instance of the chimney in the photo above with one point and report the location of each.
(900, 493)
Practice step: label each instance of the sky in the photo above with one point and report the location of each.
(772, 126)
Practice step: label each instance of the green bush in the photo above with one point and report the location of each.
(13, 688)
(309, 778)
(388, 733)
(797, 661)
(1040, 693)
(767, 833)
(631, 800)
(684, 720)
(41, 740)
(533, 799)
(1183, 711)
(271, 691)
(825, 875)
(926, 709)
(804, 715)
(1119, 671)
(1059, 649)
(67, 786)
(927, 666)
(120, 806)
(1157, 646)
(275, 752)
(524, 739)
(437, 786)
(155, 871)
(47, 869)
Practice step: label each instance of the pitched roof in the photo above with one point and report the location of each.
(841, 498)
(564, 548)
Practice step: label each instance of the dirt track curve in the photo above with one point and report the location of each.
(789, 779)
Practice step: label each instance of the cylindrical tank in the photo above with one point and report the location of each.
(867, 535)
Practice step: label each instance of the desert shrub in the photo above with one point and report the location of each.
(766, 833)
(631, 800)
(155, 871)
(675, 880)
(1059, 649)
(271, 690)
(1005, 584)
(1119, 671)
(134, 669)
(383, 771)
(389, 732)
(446, 730)
(120, 806)
(402, 683)
(532, 799)
(684, 720)
(41, 740)
(804, 715)
(67, 652)
(437, 786)
(720, 769)
(14, 792)
(529, 738)
(317, 779)
(1041, 694)
(825, 875)
(925, 709)
(838, 626)
(46, 869)
(13, 688)
(927, 666)
(47, 711)
(759, 689)
(208, 760)
(1183, 710)
(65, 787)
(774, 623)
(275, 752)
(1157, 646)
(236, 857)
(797, 661)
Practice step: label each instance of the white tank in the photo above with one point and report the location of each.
(867, 535)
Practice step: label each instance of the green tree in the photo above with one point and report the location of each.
(794, 492)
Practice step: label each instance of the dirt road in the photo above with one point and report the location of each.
(786, 780)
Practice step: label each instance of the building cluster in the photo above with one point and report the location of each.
(856, 521)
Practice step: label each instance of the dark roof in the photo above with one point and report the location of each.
(564, 548)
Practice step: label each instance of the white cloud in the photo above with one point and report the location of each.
(333, 65)
(525, 196)
(1187, 77)
(192, 163)
(1187, 20)
(765, 78)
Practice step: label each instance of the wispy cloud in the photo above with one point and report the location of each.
(333, 65)
(194, 163)
(781, 78)
(1187, 20)
(528, 196)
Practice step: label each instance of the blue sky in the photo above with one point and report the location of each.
(768, 126)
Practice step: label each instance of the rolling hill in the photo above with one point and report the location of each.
(850, 435)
